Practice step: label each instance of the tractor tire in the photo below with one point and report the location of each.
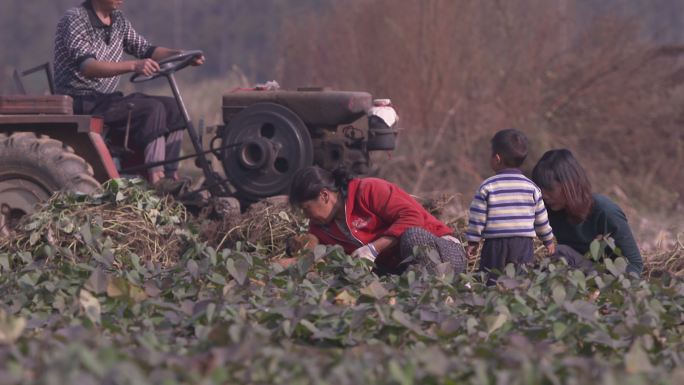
(32, 169)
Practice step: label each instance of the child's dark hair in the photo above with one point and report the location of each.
(559, 169)
(308, 182)
(511, 145)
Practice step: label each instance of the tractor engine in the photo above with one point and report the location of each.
(271, 134)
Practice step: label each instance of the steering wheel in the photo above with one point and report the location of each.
(169, 65)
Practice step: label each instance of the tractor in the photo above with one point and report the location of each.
(267, 135)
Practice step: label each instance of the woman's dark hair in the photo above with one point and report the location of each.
(308, 182)
(560, 169)
(511, 145)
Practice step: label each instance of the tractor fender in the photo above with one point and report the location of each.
(81, 133)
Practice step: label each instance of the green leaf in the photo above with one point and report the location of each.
(5, 262)
(90, 306)
(559, 329)
(582, 309)
(433, 255)
(26, 257)
(117, 287)
(10, 327)
(193, 268)
(97, 283)
(67, 227)
(35, 237)
(319, 252)
(135, 260)
(578, 278)
(136, 294)
(558, 294)
(594, 248)
(617, 266)
(344, 298)
(495, 322)
(436, 362)
(219, 279)
(621, 265)
(405, 320)
(211, 308)
(375, 290)
(471, 325)
(399, 374)
(213, 256)
(311, 327)
(86, 234)
(237, 269)
(636, 360)
(411, 277)
(509, 270)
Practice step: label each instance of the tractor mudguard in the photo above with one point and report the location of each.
(82, 133)
(316, 108)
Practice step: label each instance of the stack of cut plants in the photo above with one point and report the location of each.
(87, 299)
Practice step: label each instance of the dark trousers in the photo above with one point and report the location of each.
(573, 257)
(418, 246)
(152, 119)
(498, 252)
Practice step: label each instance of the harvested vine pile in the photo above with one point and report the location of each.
(670, 261)
(126, 219)
(265, 226)
(230, 315)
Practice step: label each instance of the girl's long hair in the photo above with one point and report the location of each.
(559, 169)
(308, 183)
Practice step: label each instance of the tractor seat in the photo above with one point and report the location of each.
(316, 107)
(36, 105)
(24, 104)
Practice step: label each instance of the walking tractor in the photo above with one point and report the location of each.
(266, 136)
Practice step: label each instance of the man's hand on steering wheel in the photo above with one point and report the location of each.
(145, 67)
(198, 61)
(148, 69)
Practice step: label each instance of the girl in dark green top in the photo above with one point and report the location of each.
(576, 215)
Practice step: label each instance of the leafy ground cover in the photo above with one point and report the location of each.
(79, 305)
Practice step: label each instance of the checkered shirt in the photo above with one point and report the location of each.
(81, 35)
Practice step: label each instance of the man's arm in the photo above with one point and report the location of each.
(101, 69)
(617, 226)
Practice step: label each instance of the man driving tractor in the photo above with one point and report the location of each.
(89, 46)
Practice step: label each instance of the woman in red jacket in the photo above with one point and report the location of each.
(373, 219)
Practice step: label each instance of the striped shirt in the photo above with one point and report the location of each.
(508, 205)
(80, 36)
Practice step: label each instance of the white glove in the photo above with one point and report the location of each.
(368, 252)
(452, 239)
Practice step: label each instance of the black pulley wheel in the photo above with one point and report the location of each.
(271, 144)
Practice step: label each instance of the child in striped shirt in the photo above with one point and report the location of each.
(507, 210)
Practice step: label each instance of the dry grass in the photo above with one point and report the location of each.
(265, 226)
(668, 259)
(115, 231)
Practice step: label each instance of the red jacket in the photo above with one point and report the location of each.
(375, 208)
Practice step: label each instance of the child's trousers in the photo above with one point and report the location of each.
(498, 252)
